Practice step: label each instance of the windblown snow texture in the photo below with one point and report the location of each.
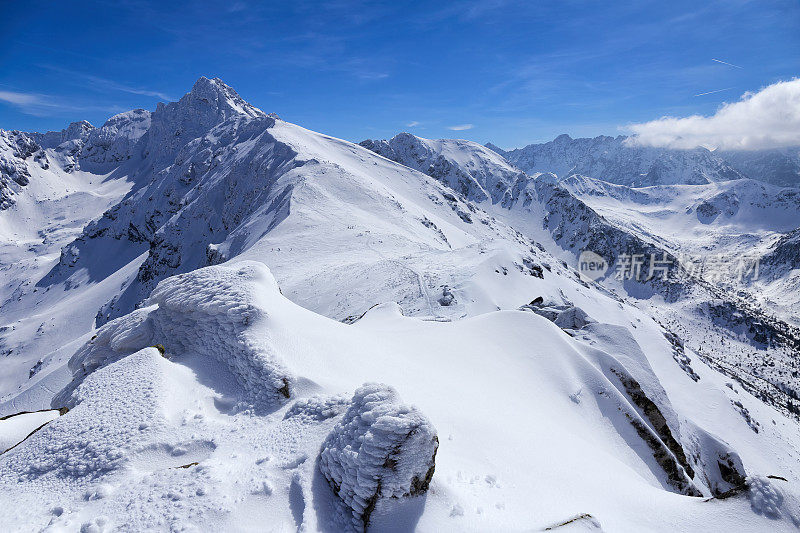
(213, 312)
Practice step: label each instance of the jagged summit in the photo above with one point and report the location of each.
(79, 130)
(614, 160)
(208, 103)
(220, 96)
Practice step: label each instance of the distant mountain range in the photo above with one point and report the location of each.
(618, 160)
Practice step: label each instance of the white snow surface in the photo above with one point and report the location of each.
(532, 433)
(594, 416)
(15, 429)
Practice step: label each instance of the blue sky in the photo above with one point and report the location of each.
(506, 72)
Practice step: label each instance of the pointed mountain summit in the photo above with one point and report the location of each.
(210, 103)
(214, 94)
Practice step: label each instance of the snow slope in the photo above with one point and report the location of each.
(742, 218)
(214, 178)
(753, 320)
(724, 217)
(14, 429)
(183, 443)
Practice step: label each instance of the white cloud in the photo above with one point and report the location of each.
(412, 124)
(19, 98)
(461, 127)
(769, 118)
(43, 105)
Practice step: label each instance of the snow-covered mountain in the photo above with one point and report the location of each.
(221, 316)
(16, 149)
(613, 160)
(669, 227)
(475, 172)
(779, 167)
(731, 217)
(244, 184)
(616, 160)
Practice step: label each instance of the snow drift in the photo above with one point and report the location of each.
(213, 312)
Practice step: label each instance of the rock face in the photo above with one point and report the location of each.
(783, 256)
(565, 316)
(16, 149)
(380, 449)
(472, 170)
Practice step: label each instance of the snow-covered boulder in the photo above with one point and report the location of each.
(573, 318)
(380, 449)
(766, 498)
(565, 316)
(719, 466)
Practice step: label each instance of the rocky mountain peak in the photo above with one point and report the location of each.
(214, 94)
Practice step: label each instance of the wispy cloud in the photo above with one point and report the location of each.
(726, 63)
(101, 84)
(769, 118)
(38, 105)
(461, 127)
(714, 92)
(44, 105)
(366, 75)
(412, 124)
(19, 98)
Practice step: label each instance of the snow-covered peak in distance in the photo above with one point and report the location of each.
(75, 131)
(779, 166)
(738, 218)
(474, 171)
(613, 160)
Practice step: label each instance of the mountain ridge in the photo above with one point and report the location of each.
(617, 160)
